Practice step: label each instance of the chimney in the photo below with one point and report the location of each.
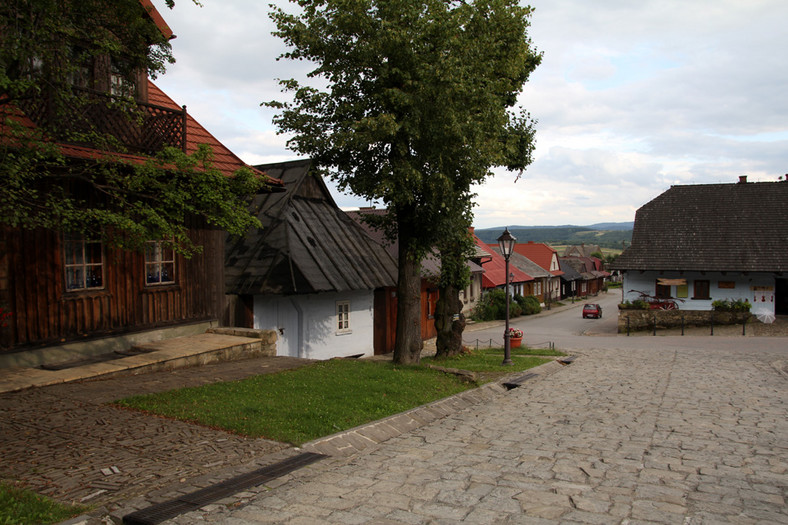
(742, 179)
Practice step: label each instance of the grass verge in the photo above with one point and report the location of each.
(20, 506)
(489, 360)
(297, 406)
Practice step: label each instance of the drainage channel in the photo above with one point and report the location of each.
(188, 502)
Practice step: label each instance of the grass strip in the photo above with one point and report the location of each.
(316, 400)
(20, 506)
(490, 359)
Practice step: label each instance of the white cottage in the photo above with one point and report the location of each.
(310, 273)
(695, 244)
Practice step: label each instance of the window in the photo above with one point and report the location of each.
(701, 290)
(663, 291)
(343, 316)
(84, 264)
(159, 263)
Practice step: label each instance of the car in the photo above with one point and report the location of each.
(592, 310)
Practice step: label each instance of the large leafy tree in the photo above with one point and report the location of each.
(50, 51)
(415, 110)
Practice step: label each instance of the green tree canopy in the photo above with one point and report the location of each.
(415, 110)
(59, 61)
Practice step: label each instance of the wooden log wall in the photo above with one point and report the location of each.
(32, 286)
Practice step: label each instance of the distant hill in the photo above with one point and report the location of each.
(606, 235)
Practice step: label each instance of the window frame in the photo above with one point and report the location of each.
(81, 265)
(698, 286)
(159, 261)
(342, 318)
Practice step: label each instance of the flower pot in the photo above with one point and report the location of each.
(515, 342)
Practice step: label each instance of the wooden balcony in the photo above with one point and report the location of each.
(138, 127)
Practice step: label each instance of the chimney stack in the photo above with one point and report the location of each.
(742, 179)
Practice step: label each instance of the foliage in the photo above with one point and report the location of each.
(49, 49)
(299, 405)
(416, 111)
(492, 305)
(20, 506)
(490, 359)
(729, 305)
(529, 304)
(637, 304)
(567, 235)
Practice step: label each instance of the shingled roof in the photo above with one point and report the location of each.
(306, 245)
(712, 227)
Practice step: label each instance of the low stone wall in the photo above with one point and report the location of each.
(645, 319)
(267, 337)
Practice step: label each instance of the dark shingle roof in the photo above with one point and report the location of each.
(307, 244)
(712, 227)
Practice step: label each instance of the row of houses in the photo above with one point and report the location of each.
(321, 277)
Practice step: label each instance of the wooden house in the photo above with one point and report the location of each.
(695, 244)
(311, 273)
(494, 265)
(549, 287)
(69, 290)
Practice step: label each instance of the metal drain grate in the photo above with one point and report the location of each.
(194, 500)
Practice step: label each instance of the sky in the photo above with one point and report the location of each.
(632, 96)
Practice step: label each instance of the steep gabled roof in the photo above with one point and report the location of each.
(712, 227)
(539, 253)
(495, 268)
(223, 159)
(306, 245)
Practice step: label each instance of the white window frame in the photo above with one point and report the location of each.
(159, 264)
(342, 320)
(80, 273)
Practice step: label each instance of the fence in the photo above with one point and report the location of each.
(653, 320)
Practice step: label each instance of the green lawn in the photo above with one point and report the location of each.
(22, 507)
(297, 406)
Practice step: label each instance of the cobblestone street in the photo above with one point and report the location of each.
(642, 436)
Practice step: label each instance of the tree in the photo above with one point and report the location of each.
(59, 60)
(415, 111)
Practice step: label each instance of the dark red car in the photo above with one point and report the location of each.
(592, 310)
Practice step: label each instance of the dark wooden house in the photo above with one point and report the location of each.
(64, 289)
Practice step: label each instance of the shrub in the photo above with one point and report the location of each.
(492, 305)
(529, 304)
(727, 305)
(637, 304)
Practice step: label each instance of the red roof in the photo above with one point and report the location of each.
(223, 159)
(495, 269)
(539, 253)
(157, 19)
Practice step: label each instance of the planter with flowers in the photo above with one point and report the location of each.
(515, 337)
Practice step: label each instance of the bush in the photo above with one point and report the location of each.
(637, 304)
(530, 304)
(726, 305)
(492, 305)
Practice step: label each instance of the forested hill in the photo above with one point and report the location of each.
(606, 235)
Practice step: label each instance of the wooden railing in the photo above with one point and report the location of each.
(89, 115)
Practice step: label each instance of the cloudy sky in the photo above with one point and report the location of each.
(632, 97)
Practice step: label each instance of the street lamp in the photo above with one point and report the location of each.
(506, 244)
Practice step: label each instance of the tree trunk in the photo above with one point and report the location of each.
(407, 348)
(449, 340)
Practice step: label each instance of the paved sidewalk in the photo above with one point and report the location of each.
(673, 436)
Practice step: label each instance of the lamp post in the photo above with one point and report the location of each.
(506, 244)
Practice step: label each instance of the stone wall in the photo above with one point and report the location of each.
(644, 319)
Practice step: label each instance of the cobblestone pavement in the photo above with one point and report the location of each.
(67, 442)
(663, 435)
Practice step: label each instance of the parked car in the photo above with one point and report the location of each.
(592, 310)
